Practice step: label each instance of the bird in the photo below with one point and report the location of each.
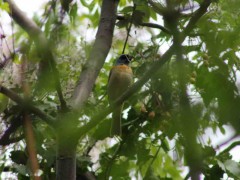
(120, 78)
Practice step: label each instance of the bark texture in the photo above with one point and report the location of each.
(98, 53)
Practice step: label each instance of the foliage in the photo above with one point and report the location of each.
(163, 123)
(4, 6)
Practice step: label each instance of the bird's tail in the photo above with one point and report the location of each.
(116, 127)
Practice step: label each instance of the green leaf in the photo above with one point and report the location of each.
(21, 169)
(3, 102)
(19, 157)
(214, 173)
(4, 6)
(232, 167)
(127, 9)
(120, 171)
(73, 12)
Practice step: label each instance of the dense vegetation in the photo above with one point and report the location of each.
(55, 115)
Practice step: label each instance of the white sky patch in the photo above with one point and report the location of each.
(30, 7)
(5, 24)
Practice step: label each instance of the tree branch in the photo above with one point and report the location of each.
(129, 28)
(150, 73)
(98, 53)
(157, 7)
(25, 104)
(151, 25)
(196, 16)
(48, 63)
(6, 60)
(22, 20)
(112, 159)
(230, 147)
(157, 26)
(5, 139)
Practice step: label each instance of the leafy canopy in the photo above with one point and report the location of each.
(165, 123)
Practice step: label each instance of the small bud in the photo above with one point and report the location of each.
(206, 63)
(143, 108)
(194, 74)
(151, 115)
(192, 80)
(205, 56)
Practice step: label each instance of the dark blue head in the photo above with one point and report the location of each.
(124, 59)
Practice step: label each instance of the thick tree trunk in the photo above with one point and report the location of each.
(66, 166)
(66, 156)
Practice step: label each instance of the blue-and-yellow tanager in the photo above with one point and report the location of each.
(120, 78)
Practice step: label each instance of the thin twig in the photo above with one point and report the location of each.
(8, 48)
(230, 147)
(13, 38)
(4, 63)
(152, 161)
(151, 25)
(129, 28)
(110, 163)
(226, 142)
(157, 26)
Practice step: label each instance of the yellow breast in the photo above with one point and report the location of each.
(122, 68)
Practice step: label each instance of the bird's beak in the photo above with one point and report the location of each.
(129, 58)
